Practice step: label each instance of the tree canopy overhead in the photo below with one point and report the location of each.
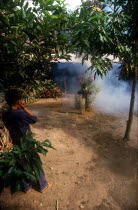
(103, 28)
(31, 37)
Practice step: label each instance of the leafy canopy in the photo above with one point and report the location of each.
(98, 32)
(31, 37)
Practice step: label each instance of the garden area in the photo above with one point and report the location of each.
(50, 120)
(91, 168)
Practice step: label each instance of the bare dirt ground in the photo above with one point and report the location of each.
(91, 168)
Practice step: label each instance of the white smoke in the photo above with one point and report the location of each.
(114, 95)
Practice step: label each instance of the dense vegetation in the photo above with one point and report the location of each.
(11, 173)
(29, 39)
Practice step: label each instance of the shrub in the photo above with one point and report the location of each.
(10, 172)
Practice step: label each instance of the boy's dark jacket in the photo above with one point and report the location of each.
(17, 122)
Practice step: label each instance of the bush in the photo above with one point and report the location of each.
(10, 172)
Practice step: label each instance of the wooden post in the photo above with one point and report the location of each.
(83, 104)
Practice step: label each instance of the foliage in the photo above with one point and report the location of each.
(88, 86)
(31, 37)
(98, 33)
(88, 90)
(51, 93)
(31, 95)
(111, 29)
(10, 171)
(130, 8)
(129, 56)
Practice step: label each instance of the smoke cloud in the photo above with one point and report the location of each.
(114, 95)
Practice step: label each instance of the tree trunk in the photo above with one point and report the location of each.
(131, 109)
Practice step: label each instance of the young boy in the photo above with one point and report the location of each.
(17, 120)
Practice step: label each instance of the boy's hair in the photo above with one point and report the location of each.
(12, 96)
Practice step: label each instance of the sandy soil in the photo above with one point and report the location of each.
(91, 168)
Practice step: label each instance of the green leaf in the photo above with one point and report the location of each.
(22, 2)
(46, 13)
(10, 170)
(87, 42)
(24, 14)
(16, 186)
(26, 6)
(101, 38)
(42, 150)
(16, 149)
(49, 2)
(54, 17)
(30, 134)
(28, 12)
(18, 172)
(13, 42)
(29, 175)
(95, 17)
(85, 57)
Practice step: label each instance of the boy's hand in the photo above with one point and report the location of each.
(21, 105)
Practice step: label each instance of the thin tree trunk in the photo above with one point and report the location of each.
(131, 109)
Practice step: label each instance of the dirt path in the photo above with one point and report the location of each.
(91, 168)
